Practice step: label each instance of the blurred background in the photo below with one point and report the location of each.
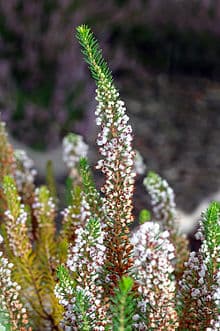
(165, 58)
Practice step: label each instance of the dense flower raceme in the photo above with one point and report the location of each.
(85, 261)
(16, 217)
(43, 206)
(10, 297)
(162, 199)
(117, 163)
(154, 273)
(85, 258)
(118, 157)
(164, 212)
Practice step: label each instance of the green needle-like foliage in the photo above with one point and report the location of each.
(93, 54)
(124, 306)
(199, 287)
(92, 196)
(211, 230)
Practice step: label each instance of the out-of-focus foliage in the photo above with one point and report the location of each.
(42, 80)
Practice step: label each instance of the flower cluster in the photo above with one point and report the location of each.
(154, 273)
(85, 261)
(115, 146)
(74, 148)
(164, 210)
(75, 215)
(16, 220)
(162, 199)
(43, 206)
(24, 173)
(10, 297)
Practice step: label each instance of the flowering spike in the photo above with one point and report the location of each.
(117, 164)
(162, 199)
(16, 220)
(44, 210)
(154, 275)
(85, 261)
(75, 215)
(164, 210)
(199, 295)
(10, 299)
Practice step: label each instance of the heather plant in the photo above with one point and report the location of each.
(95, 273)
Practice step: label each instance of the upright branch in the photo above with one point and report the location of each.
(24, 176)
(117, 164)
(44, 210)
(154, 274)
(80, 290)
(199, 294)
(16, 218)
(162, 200)
(123, 306)
(33, 263)
(164, 212)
